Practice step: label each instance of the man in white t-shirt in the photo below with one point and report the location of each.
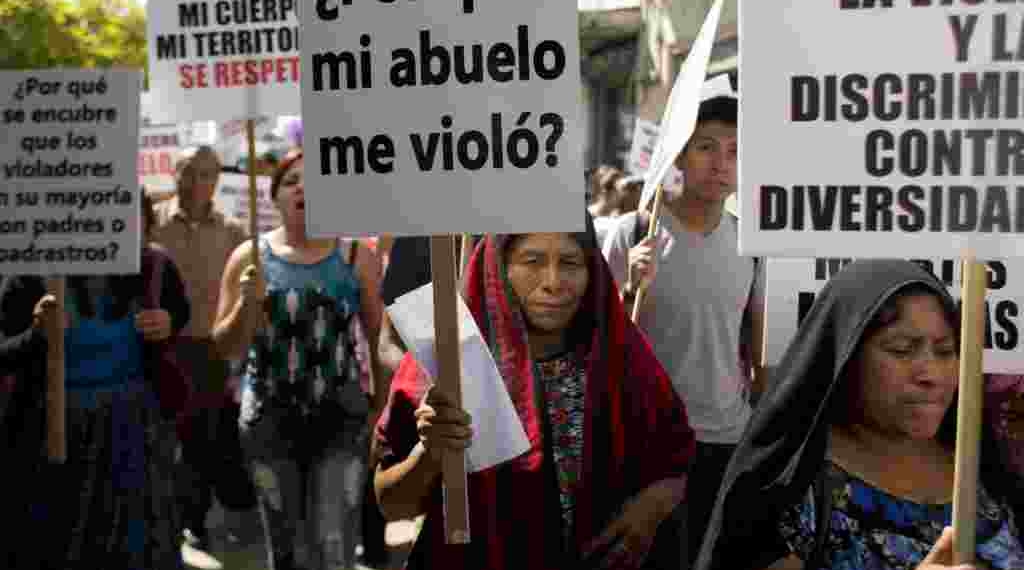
(703, 310)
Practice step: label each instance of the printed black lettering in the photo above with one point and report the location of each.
(774, 204)
(996, 275)
(1006, 314)
(336, 151)
(823, 208)
(963, 209)
(912, 217)
(878, 212)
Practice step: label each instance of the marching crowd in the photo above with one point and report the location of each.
(267, 375)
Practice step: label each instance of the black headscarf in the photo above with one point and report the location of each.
(784, 448)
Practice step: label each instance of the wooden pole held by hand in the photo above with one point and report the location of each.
(56, 408)
(969, 410)
(467, 252)
(652, 232)
(254, 226)
(443, 270)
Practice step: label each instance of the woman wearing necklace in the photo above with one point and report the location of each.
(848, 461)
(610, 441)
(302, 327)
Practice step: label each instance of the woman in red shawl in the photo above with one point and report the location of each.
(610, 441)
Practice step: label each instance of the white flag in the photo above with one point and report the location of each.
(680, 116)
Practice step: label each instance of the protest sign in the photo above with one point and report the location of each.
(645, 136)
(436, 118)
(217, 60)
(158, 148)
(903, 147)
(232, 198)
(69, 192)
(793, 285)
(232, 144)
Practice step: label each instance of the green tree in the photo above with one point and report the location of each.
(71, 33)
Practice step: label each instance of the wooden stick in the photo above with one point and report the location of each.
(384, 245)
(449, 368)
(652, 232)
(254, 226)
(56, 408)
(968, 436)
(467, 252)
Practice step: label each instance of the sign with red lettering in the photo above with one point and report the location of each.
(231, 143)
(223, 59)
(645, 136)
(232, 198)
(158, 147)
(907, 145)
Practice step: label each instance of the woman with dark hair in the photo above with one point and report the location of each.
(848, 462)
(110, 505)
(609, 439)
(300, 324)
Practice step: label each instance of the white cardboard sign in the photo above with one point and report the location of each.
(158, 148)
(441, 117)
(906, 145)
(794, 283)
(645, 136)
(69, 192)
(498, 434)
(214, 60)
(231, 142)
(232, 198)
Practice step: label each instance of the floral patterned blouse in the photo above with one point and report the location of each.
(563, 383)
(873, 530)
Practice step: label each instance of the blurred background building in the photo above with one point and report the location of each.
(631, 51)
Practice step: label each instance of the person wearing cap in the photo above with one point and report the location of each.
(199, 239)
(703, 306)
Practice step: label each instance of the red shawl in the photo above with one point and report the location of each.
(636, 429)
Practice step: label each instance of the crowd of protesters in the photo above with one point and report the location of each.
(265, 375)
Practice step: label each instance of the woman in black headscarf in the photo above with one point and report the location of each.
(856, 435)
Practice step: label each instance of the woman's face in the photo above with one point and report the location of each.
(908, 371)
(548, 274)
(291, 197)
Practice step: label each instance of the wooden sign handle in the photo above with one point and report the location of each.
(652, 232)
(467, 252)
(56, 407)
(254, 226)
(443, 270)
(969, 411)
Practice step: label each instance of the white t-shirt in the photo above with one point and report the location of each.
(603, 227)
(693, 315)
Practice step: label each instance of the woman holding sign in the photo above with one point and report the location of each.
(110, 505)
(848, 461)
(301, 317)
(610, 442)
